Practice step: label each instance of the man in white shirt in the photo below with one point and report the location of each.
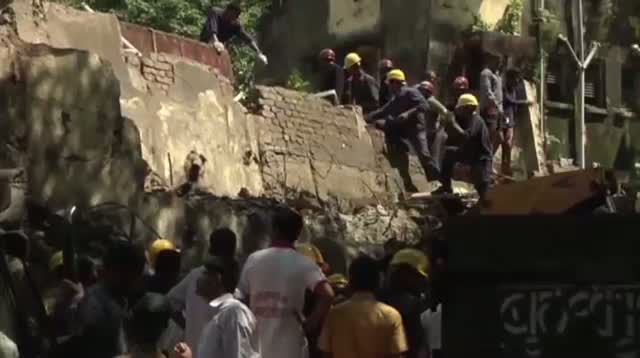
(274, 281)
(8, 349)
(231, 333)
(191, 311)
(431, 320)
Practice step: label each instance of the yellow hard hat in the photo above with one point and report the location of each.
(397, 75)
(311, 252)
(337, 279)
(414, 258)
(351, 59)
(467, 100)
(157, 247)
(56, 261)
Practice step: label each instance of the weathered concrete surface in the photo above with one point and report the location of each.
(197, 114)
(64, 123)
(309, 145)
(313, 146)
(353, 17)
(192, 103)
(415, 33)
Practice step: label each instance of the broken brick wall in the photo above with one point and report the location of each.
(308, 144)
(149, 42)
(156, 69)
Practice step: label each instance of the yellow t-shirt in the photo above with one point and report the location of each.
(362, 327)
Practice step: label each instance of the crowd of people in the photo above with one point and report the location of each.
(468, 131)
(283, 301)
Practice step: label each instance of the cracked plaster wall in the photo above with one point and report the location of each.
(88, 122)
(177, 105)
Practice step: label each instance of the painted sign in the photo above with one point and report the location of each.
(544, 321)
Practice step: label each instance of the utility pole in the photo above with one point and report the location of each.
(583, 64)
(543, 77)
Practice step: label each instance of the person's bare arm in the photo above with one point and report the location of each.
(324, 298)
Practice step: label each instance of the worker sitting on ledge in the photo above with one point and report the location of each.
(222, 25)
(475, 149)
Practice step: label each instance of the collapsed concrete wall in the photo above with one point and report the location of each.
(178, 106)
(183, 107)
(62, 119)
(310, 145)
(91, 124)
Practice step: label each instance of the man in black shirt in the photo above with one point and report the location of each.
(222, 25)
(403, 120)
(331, 74)
(475, 149)
(385, 66)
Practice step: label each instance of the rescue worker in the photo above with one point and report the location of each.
(384, 67)
(222, 25)
(360, 88)
(459, 87)
(437, 110)
(491, 96)
(451, 134)
(474, 150)
(435, 116)
(431, 76)
(403, 120)
(405, 291)
(331, 74)
(507, 122)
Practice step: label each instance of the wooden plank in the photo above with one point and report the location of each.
(553, 194)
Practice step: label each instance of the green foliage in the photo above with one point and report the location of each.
(296, 81)
(185, 17)
(479, 24)
(551, 28)
(511, 22)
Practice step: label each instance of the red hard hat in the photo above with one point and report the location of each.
(461, 83)
(327, 54)
(427, 86)
(385, 63)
